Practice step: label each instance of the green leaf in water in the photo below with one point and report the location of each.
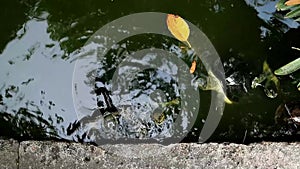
(280, 6)
(288, 68)
(171, 103)
(213, 83)
(271, 81)
(294, 7)
(258, 80)
(293, 13)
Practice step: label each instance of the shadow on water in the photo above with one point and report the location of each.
(40, 40)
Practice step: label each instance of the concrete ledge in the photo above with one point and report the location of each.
(9, 154)
(36, 154)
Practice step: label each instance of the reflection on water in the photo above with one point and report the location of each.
(140, 91)
(29, 71)
(40, 40)
(267, 12)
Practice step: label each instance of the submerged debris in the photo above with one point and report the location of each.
(288, 114)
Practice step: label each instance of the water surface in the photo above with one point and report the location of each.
(40, 40)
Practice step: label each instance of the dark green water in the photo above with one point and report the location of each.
(39, 41)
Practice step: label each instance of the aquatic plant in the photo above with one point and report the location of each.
(181, 31)
(293, 6)
(269, 79)
(290, 68)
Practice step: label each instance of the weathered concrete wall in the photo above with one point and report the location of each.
(35, 154)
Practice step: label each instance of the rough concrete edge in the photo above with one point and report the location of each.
(49, 154)
(9, 153)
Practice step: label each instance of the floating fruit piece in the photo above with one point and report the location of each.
(193, 67)
(292, 2)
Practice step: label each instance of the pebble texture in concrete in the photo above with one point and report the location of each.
(8, 154)
(48, 155)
